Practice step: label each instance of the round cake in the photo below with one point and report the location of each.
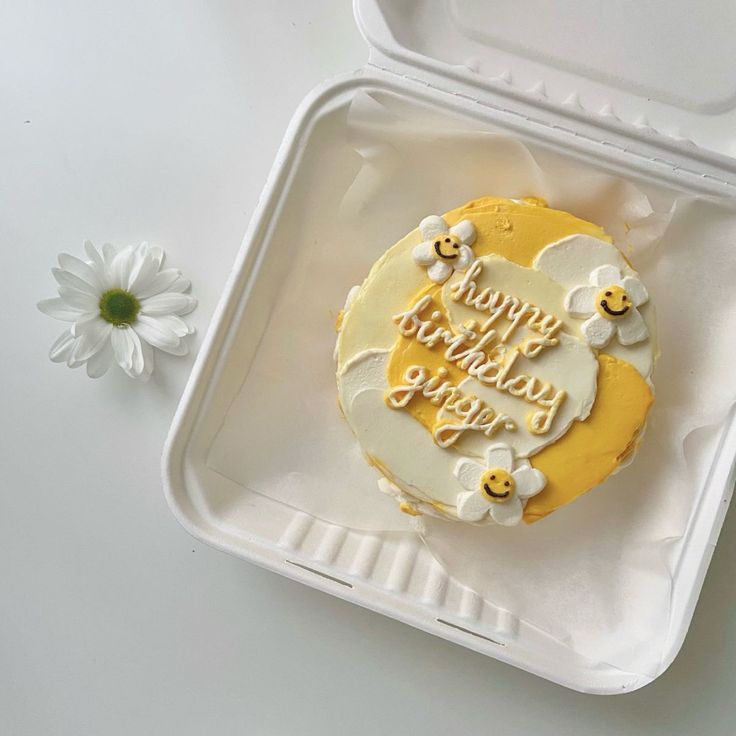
(496, 362)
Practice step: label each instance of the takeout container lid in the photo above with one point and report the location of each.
(656, 77)
(568, 79)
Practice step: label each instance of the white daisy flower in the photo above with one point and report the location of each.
(610, 302)
(444, 249)
(499, 488)
(121, 306)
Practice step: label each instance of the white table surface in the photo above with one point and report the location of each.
(134, 120)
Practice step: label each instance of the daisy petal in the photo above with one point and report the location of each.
(500, 456)
(157, 254)
(423, 254)
(143, 272)
(472, 506)
(180, 285)
(468, 473)
(122, 348)
(464, 258)
(598, 331)
(168, 303)
(148, 360)
(65, 278)
(108, 254)
(152, 331)
(439, 272)
(636, 290)
(529, 481)
(94, 255)
(174, 324)
(79, 299)
(59, 309)
(90, 274)
(160, 282)
(62, 347)
(121, 266)
(509, 513)
(580, 301)
(137, 363)
(432, 226)
(465, 230)
(605, 276)
(631, 329)
(92, 338)
(100, 362)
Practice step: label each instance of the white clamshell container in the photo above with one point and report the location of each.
(608, 83)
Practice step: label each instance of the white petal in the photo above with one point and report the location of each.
(59, 309)
(468, 473)
(98, 262)
(121, 266)
(155, 333)
(605, 276)
(62, 347)
(500, 456)
(631, 328)
(180, 285)
(148, 360)
(472, 506)
(160, 282)
(509, 513)
(172, 323)
(432, 226)
(92, 337)
(529, 481)
(598, 331)
(78, 299)
(92, 275)
(168, 303)
(580, 301)
(636, 290)
(423, 254)
(142, 272)
(439, 272)
(65, 278)
(157, 254)
(108, 254)
(465, 230)
(137, 362)
(100, 362)
(464, 258)
(122, 347)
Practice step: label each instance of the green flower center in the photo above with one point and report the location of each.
(119, 307)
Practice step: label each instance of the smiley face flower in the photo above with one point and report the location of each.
(499, 488)
(121, 305)
(610, 302)
(444, 249)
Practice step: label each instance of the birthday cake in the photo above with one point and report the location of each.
(496, 362)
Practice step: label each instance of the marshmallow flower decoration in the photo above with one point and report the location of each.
(610, 302)
(499, 488)
(444, 249)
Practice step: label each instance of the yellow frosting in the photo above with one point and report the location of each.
(593, 449)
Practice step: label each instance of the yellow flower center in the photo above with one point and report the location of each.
(497, 485)
(613, 302)
(446, 247)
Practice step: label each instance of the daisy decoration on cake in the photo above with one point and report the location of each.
(499, 488)
(120, 306)
(444, 249)
(610, 303)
